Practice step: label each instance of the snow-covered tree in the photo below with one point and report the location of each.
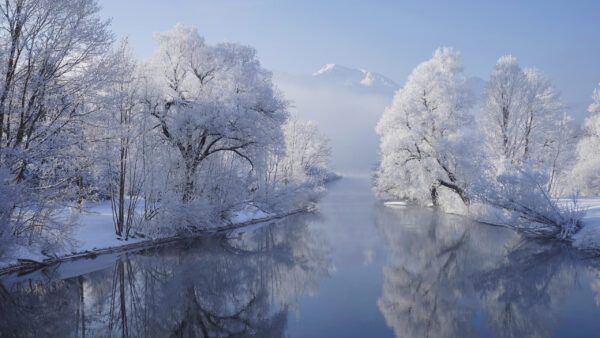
(512, 162)
(587, 170)
(520, 116)
(113, 137)
(527, 145)
(561, 156)
(51, 58)
(423, 133)
(297, 175)
(194, 131)
(307, 150)
(213, 100)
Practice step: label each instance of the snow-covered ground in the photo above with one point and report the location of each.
(95, 230)
(250, 213)
(592, 207)
(589, 236)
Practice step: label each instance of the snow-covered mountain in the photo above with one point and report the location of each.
(361, 79)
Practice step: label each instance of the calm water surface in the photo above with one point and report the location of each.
(357, 269)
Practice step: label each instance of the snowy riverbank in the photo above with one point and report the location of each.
(95, 235)
(588, 238)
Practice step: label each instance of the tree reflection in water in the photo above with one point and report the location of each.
(444, 276)
(449, 277)
(215, 287)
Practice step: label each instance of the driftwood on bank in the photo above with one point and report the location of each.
(26, 266)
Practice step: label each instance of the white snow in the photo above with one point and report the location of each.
(368, 80)
(21, 252)
(327, 68)
(395, 204)
(248, 214)
(356, 78)
(96, 229)
(589, 236)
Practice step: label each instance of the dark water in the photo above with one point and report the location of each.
(356, 270)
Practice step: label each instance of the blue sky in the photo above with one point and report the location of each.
(560, 38)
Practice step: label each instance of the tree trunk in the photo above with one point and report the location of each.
(504, 128)
(81, 306)
(458, 190)
(124, 331)
(434, 195)
(188, 188)
(121, 202)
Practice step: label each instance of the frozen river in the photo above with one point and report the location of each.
(356, 269)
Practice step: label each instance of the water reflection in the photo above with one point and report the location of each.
(217, 287)
(422, 273)
(447, 277)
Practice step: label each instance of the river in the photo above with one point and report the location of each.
(355, 269)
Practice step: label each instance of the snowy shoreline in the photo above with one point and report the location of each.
(26, 265)
(587, 238)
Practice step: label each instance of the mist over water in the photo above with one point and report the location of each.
(346, 114)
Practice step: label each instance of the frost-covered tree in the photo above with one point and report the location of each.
(561, 156)
(511, 163)
(520, 116)
(51, 56)
(195, 131)
(212, 100)
(527, 147)
(307, 150)
(587, 170)
(297, 175)
(113, 136)
(423, 133)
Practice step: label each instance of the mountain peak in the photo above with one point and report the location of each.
(327, 68)
(356, 78)
(368, 79)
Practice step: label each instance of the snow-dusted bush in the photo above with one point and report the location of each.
(307, 151)
(521, 192)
